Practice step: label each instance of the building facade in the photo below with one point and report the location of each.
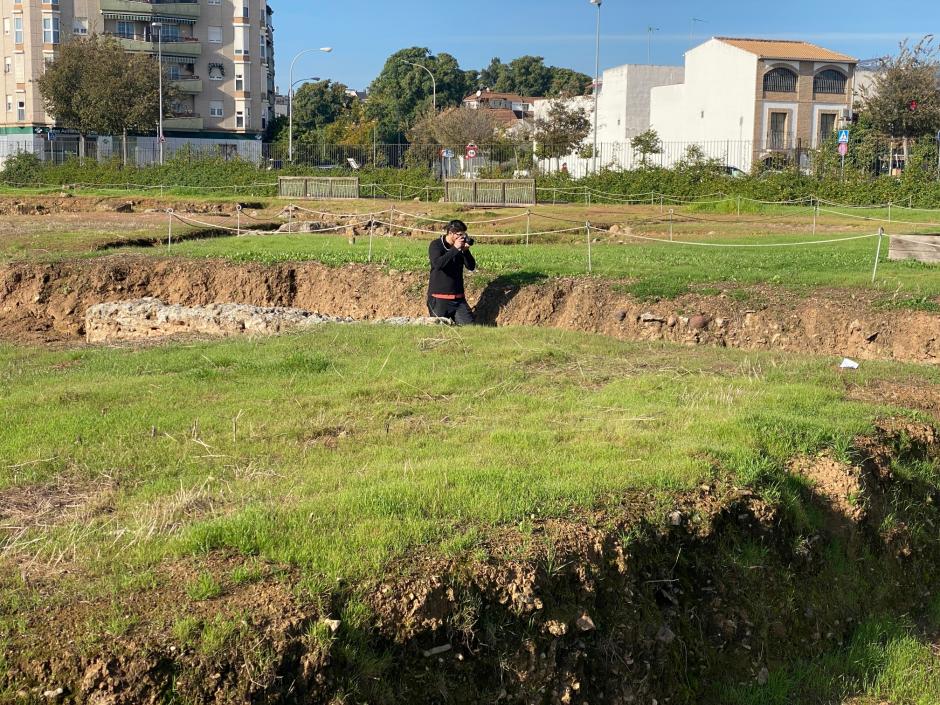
(783, 97)
(219, 53)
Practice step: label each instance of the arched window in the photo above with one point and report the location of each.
(829, 81)
(780, 81)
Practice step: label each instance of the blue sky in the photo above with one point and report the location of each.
(364, 32)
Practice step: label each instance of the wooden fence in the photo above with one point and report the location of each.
(323, 188)
(490, 192)
(922, 248)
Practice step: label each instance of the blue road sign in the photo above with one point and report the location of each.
(843, 136)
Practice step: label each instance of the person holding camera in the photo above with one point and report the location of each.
(449, 255)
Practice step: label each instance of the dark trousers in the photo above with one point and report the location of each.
(457, 310)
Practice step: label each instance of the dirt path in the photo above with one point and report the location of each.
(43, 303)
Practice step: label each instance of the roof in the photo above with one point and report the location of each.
(490, 95)
(785, 49)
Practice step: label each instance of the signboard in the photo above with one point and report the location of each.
(472, 151)
(843, 136)
(447, 153)
(843, 148)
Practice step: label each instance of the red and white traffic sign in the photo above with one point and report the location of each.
(472, 151)
(843, 148)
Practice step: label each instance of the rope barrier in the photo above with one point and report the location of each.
(879, 220)
(739, 245)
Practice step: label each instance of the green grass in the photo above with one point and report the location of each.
(337, 449)
(884, 662)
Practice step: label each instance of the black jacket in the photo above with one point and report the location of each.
(447, 264)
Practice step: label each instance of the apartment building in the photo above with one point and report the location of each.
(219, 53)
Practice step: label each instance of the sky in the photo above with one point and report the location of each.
(363, 33)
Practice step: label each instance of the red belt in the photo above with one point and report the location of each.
(448, 297)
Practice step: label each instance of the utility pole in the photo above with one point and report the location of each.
(597, 78)
(649, 44)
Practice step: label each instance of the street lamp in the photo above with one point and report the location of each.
(692, 30)
(649, 45)
(290, 101)
(433, 82)
(159, 27)
(597, 77)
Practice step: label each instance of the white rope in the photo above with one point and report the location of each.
(879, 220)
(736, 245)
(475, 235)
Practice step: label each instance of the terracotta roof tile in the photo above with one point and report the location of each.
(783, 49)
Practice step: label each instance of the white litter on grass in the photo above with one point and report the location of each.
(848, 364)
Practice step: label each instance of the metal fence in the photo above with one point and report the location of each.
(318, 187)
(503, 160)
(490, 192)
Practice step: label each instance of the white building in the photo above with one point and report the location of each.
(748, 99)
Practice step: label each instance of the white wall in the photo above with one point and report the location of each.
(715, 104)
(624, 101)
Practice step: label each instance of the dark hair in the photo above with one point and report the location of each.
(455, 226)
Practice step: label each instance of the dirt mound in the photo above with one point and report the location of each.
(43, 303)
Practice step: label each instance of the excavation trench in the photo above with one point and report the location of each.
(41, 303)
(639, 601)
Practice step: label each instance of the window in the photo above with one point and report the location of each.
(18, 29)
(215, 109)
(827, 125)
(239, 118)
(80, 25)
(216, 72)
(778, 131)
(125, 30)
(173, 72)
(50, 29)
(171, 33)
(264, 49)
(9, 103)
(245, 13)
(239, 82)
(6, 25)
(241, 41)
(215, 35)
(21, 110)
(829, 81)
(215, 2)
(7, 64)
(780, 80)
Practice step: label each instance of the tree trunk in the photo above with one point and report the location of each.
(81, 147)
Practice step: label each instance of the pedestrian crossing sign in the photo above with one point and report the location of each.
(843, 136)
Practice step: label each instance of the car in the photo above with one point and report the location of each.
(733, 172)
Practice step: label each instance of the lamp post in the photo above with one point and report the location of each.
(433, 82)
(597, 78)
(649, 44)
(692, 30)
(290, 101)
(159, 27)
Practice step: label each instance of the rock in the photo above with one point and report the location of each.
(699, 322)
(585, 623)
(124, 208)
(614, 229)
(556, 627)
(443, 649)
(675, 518)
(763, 676)
(651, 318)
(54, 694)
(332, 624)
(621, 315)
(672, 321)
(665, 635)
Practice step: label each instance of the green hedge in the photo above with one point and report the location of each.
(918, 186)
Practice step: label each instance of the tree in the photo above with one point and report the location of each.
(562, 130)
(95, 86)
(319, 104)
(903, 100)
(402, 92)
(646, 144)
(529, 76)
(455, 127)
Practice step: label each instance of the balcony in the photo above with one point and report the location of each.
(178, 47)
(180, 8)
(189, 85)
(183, 121)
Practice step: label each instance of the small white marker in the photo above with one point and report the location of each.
(848, 364)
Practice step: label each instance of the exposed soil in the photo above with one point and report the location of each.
(643, 601)
(47, 303)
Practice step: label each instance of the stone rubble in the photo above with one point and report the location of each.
(149, 318)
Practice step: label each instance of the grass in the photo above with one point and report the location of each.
(337, 449)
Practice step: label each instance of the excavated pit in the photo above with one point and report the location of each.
(43, 303)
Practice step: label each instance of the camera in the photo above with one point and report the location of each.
(469, 240)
